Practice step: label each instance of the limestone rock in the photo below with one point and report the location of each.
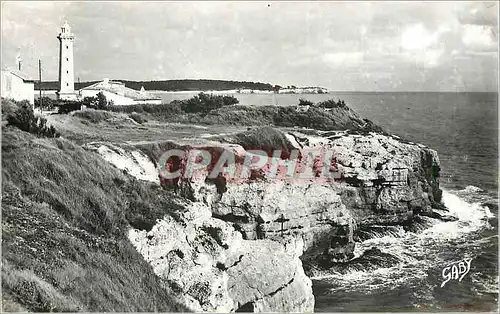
(241, 244)
(384, 181)
(209, 266)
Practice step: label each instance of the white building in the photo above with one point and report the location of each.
(18, 86)
(119, 94)
(66, 65)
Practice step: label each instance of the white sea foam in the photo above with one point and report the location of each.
(471, 217)
(488, 285)
(472, 189)
(414, 250)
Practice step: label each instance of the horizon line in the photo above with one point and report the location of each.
(258, 82)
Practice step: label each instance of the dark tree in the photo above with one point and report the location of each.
(102, 102)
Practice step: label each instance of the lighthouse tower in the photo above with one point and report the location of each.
(66, 72)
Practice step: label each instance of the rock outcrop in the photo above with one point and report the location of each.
(384, 181)
(209, 266)
(240, 245)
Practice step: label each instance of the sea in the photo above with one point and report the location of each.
(463, 129)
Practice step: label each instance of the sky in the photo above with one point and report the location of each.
(343, 46)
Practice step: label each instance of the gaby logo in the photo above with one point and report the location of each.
(455, 271)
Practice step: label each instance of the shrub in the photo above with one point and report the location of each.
(24, 119)
(286, 116)
(46, 102)
(89, 102)
(204, 103)
(265, 138)
(201, 103)
(69, 106)
(139, 109)
(331, 103)
(99, 102)
(305, 102)
(127, 109)
(94, 116)
(8, 108)
(174, 107)
(138, 118)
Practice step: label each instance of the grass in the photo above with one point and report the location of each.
(120, 129)
(168, 122)
(338, 118)
(222, 110)
(137, 117)
(65, 214)
(267, 139)
(9, 107)
(163, 109)
(94, 116)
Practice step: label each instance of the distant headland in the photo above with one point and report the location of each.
(197, 85)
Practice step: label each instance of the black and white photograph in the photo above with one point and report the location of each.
(249, 156)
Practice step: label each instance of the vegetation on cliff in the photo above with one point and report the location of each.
(218, 109)
(65, 214)
(212, 109)
(265, 138)
(317, 118)
(21, 115)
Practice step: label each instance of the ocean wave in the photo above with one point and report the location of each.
(416, 251)
(472, 189)
(487, 284)
(380, 232)
(471, 217)
(474, 194)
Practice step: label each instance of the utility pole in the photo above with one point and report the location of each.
(40, 83)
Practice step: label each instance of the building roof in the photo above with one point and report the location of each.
(120, 89)
(25, 77)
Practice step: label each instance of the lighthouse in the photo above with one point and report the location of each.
(66, 70)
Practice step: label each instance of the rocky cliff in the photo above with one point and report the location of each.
(384, 181)
(205, 262)
(240, 245)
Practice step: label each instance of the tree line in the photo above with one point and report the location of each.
(173, 85)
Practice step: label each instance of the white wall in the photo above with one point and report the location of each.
(16, 88)
(66, 66)
(117, 99)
